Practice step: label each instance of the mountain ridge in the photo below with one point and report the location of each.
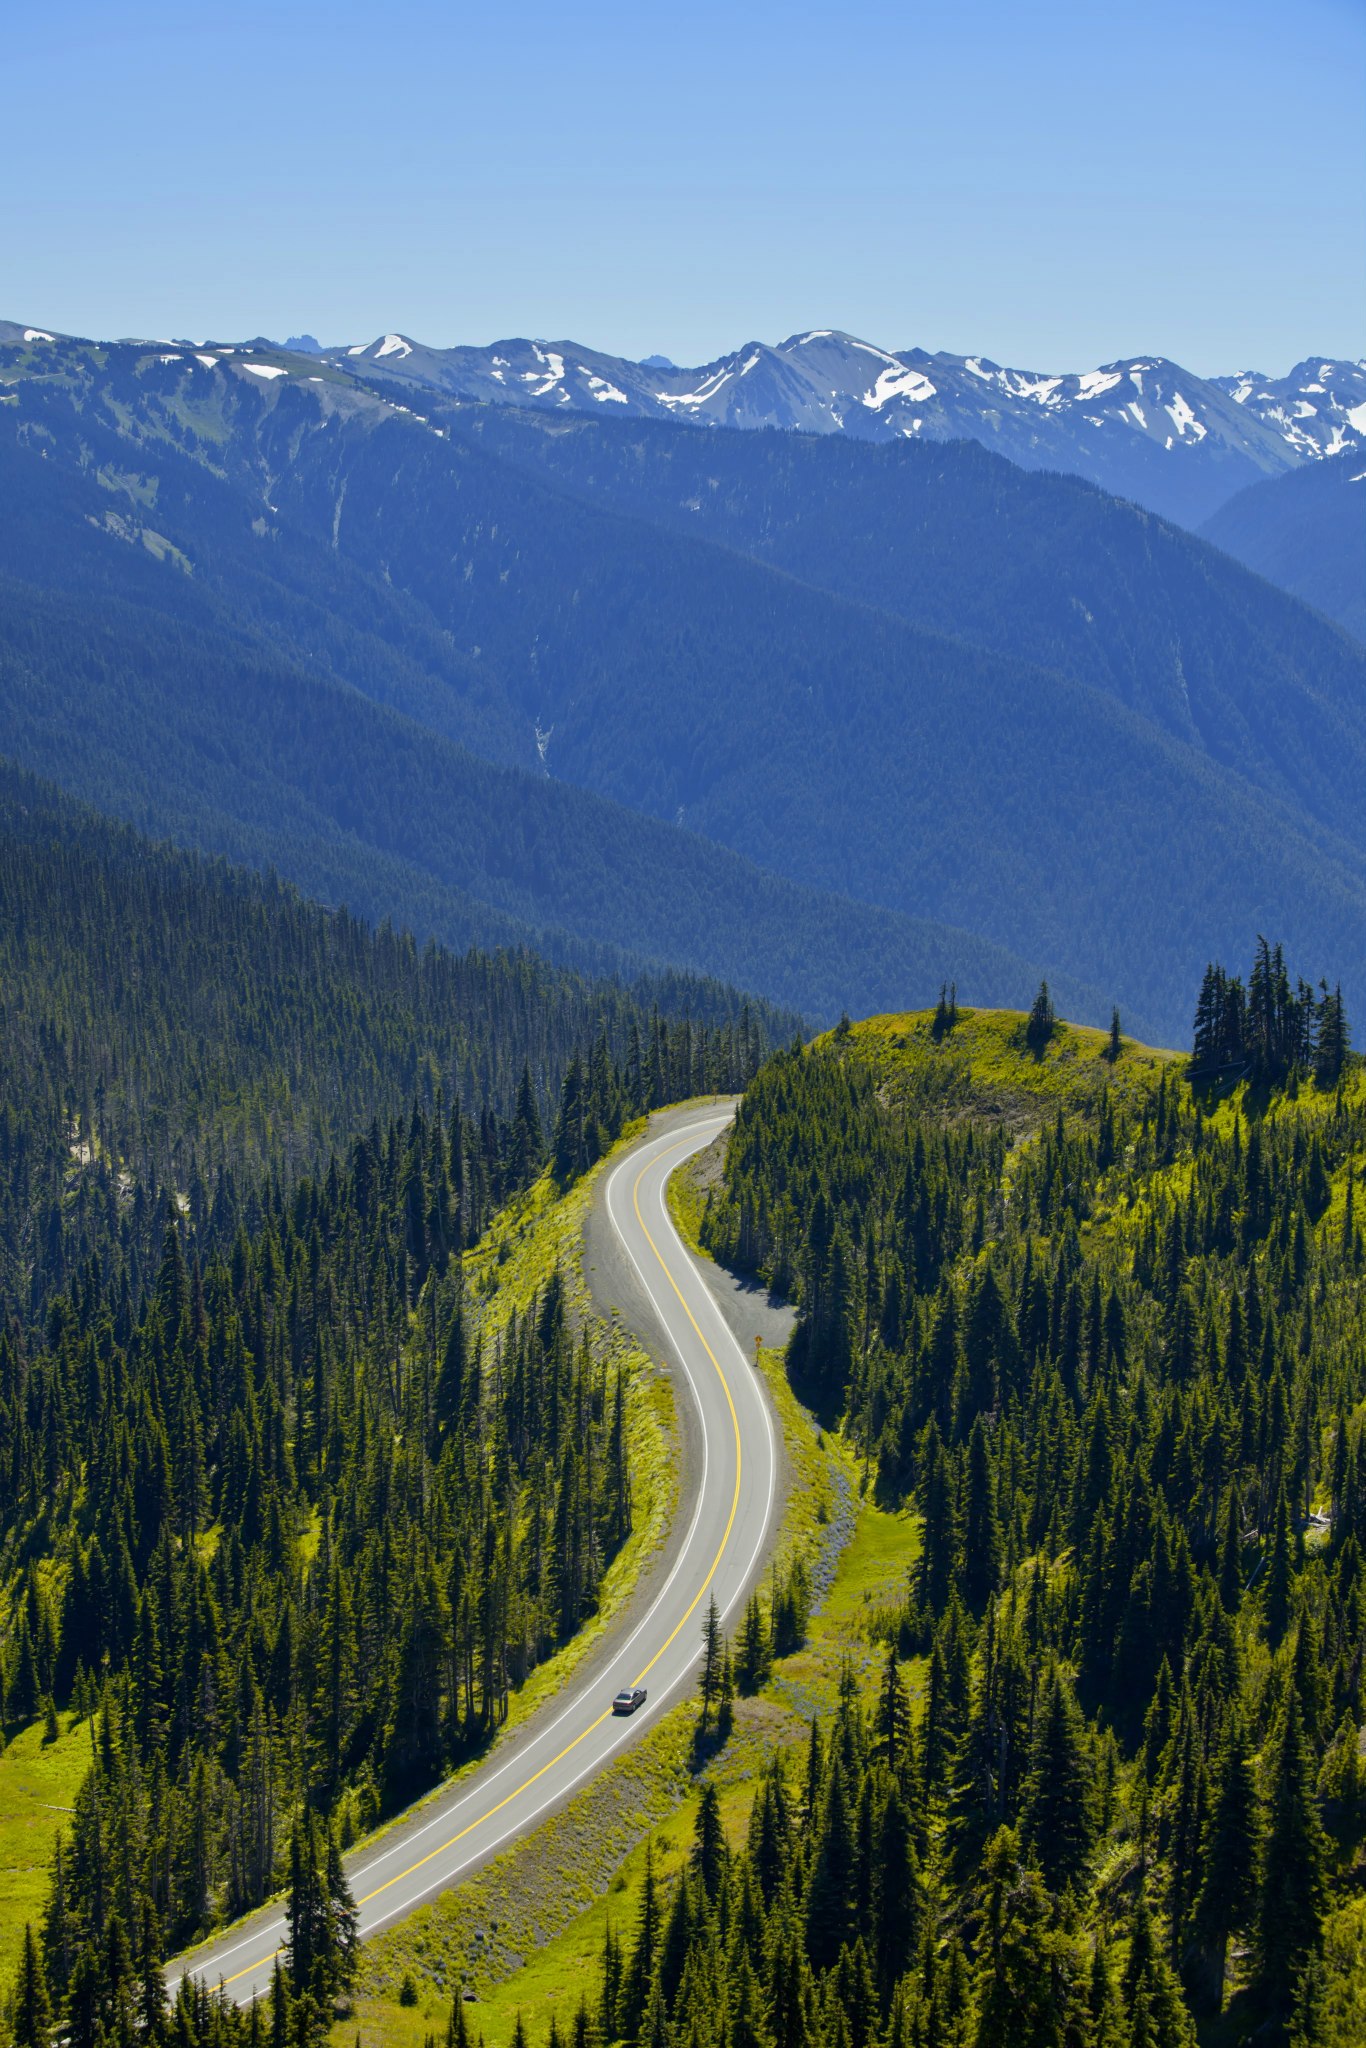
(1141, 427)
(317, 533)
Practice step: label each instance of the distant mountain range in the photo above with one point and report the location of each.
(185, 651)
(1143, 428)
(918, 710)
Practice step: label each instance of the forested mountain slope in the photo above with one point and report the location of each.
(1033, 566)
(288, 1512)
(829, 739)
(232, 710)
(1307, 532)
(1101, 1328)
(297, 1543)
(173, 1032)
(840, 744)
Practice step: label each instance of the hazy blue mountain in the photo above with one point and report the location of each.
(205, 704)
(1141, 427)
(1307, 532)
(1036, 567)
(258, 551)
(1318, 407)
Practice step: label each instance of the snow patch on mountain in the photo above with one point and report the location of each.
(1184, 419)
(705, 390)
(604, 392)
(898, 383)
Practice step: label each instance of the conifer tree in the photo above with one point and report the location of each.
(1279, 1574)
(306, 1941)
(745, 2025)
(1024, 1999)
(710, 1854)
(830, 1894)
(713, 1655)
(753, 1653)
(1115, 1044)
(344, 1928)
(32, 2015)
(1042, 1020)
(1104, 2017)
(1059, 1805)
(983, 1542)
(1309, 2021)
(1294, 1871)
(569, 1153)
(893, 1718)
(791, 1993)
(638, 1975)
(897, 1902)
(1227, 1900)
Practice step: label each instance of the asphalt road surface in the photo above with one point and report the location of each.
(727, 1502)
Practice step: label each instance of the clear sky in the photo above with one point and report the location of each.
(1051, 185)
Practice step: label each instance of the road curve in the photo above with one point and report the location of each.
(716, 1549)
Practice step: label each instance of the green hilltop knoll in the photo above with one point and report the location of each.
(983, 1063)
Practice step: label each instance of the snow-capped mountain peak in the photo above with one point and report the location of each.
(1142, 426)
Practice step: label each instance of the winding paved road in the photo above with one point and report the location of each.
(716, 1548)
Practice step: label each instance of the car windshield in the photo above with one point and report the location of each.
(624, 1694)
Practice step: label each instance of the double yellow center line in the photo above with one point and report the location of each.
(685, 1618)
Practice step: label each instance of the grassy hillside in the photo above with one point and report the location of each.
(38, 1784)
(984, 1066)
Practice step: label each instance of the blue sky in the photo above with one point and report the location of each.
(1052, 186)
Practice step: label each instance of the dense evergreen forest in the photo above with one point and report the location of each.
(173, 1031)
(1100, 1321)
(283, 1516)
(308, 1542)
